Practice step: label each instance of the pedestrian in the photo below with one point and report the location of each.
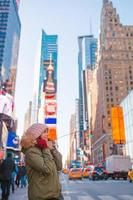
(14, 174)
(6, 169)
(17, 180)
(43, 162)
(22, 175)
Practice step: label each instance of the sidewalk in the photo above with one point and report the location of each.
(19, 194)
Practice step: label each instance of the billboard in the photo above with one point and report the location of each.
(50, 108)
(118, 130)
(6, 103)
(13, 140)
(50, 88)
(50, 84)
(50, 120)
(50, 103)
(52, 135)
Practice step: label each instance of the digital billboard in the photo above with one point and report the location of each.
(50, 120)
(6, 103)
(118, 129)
(50, 108)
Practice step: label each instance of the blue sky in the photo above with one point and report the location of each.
(69, 19)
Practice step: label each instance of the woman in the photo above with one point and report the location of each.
(43, 162)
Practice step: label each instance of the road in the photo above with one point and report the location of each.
(88, 190)
(96, 190)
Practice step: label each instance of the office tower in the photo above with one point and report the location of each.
(114, 76)
(127, 104)
(86, 60)
(10, 28)
(45, 87)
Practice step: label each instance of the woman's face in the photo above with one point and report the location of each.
(44, 135)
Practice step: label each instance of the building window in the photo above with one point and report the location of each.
(109, 71)
(109, 124)
(108, 111)
(116, 88)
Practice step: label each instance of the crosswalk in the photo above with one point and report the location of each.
(100, 197)
(21, 194)
(87, 181)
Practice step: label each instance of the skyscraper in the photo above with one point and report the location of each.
(114, 76)
(86, 60)
(10, 28)
(47, 49)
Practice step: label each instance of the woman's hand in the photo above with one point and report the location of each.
(50, 144)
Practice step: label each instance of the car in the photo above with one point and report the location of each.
(75, 173)
(130, 175)
(98, 173)
(86, 172)
(65, 171)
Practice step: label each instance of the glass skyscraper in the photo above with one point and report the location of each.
(10, 28)
(127, 104)
(86, 60)
(47, 48)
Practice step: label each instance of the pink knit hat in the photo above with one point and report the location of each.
(35, 130)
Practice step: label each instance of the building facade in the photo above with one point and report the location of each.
(44, 109)
(127, 105)
(86, 59)
(47, 47)
(72, 139)
(10, 28)
(114, 76)
(27, 118)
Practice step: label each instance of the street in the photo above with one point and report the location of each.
(88, 190)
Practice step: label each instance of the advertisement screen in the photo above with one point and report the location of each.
(50, 121)
(13, 140)
(50, 108)
(52, 135)
(6, 104)
(50, 89)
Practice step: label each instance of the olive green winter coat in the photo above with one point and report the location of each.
(42, 170)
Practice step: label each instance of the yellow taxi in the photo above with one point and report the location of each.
(130, 175)
(65, 171)
(75, 173)
(86, 172)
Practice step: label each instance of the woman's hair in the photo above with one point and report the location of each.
(27, 141)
